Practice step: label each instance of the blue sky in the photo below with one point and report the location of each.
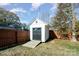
(27, 12)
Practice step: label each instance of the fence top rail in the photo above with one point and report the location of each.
(7, 28)
(2, 28)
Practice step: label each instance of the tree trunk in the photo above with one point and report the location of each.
(73, 29)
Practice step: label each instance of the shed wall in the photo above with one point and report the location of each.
(46, 33)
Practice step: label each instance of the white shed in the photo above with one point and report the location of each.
(39, 30)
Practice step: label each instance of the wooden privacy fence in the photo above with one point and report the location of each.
(9, 37)
(22, 36)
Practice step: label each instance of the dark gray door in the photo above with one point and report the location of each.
(36, 33)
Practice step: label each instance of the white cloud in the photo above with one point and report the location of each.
(16, 10)
(54, 7)
(20, 13)
(36, 5)
(53, 10)
(24, 21)
(4, 4)
(50, 16)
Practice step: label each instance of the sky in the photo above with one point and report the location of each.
(27, 12)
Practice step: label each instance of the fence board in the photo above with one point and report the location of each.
(22, 36)
(9, 37)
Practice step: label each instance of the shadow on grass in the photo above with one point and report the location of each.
(52, 36)
(9, 46)
(6, 47)
(50, 39)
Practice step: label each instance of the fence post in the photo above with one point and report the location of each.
(16, 36)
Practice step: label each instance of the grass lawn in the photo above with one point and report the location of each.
(51, 48)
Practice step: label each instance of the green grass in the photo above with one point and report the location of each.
(51, 48)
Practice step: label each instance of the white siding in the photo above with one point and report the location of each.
(43, 34)
(38, 24)
(44, 30)
(31, 33)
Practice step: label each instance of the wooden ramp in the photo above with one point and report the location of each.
(31, 44)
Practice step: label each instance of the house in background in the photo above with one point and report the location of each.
(39, 30)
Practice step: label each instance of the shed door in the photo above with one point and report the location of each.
(36, 33)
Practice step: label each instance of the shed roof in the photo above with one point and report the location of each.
(39, 20)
